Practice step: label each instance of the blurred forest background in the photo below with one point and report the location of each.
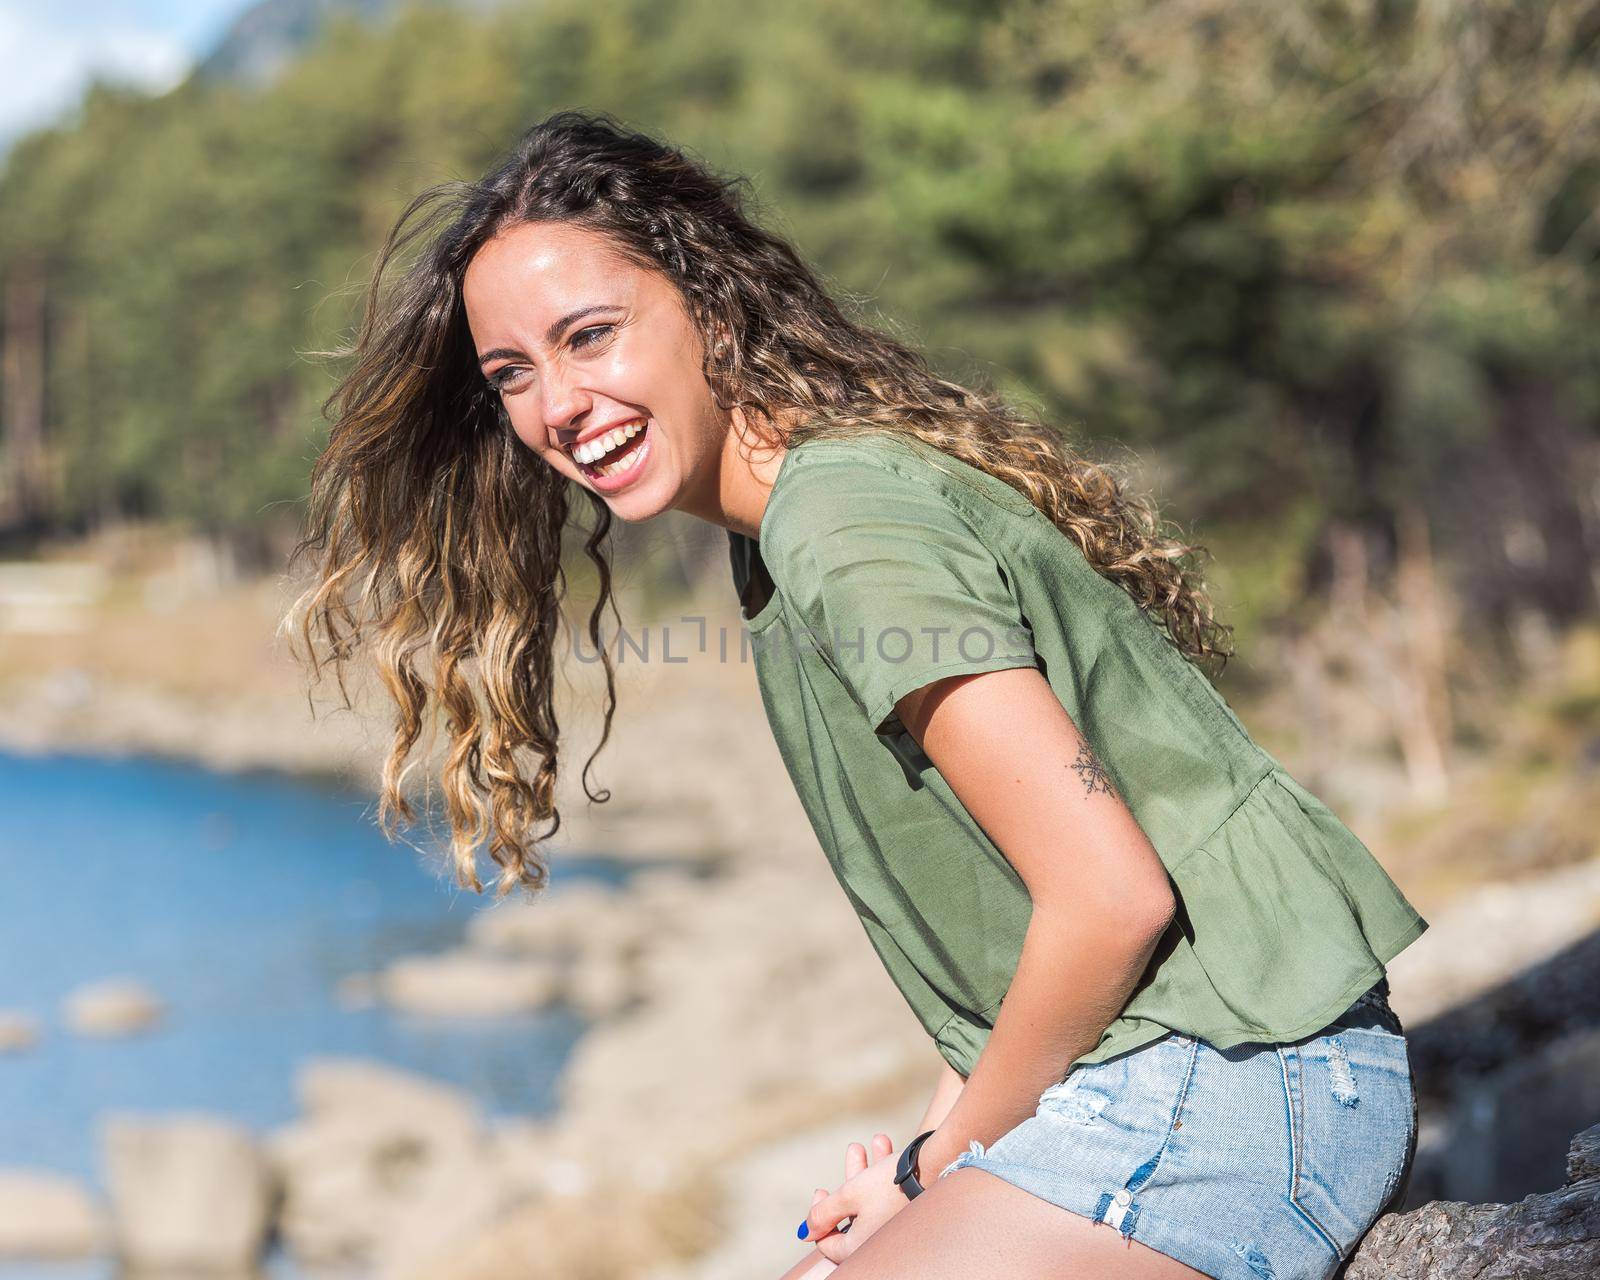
(1329, 271)
(1323, 277)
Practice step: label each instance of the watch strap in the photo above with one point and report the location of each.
(906, 1171)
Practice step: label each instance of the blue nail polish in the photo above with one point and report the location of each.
(804, 1227)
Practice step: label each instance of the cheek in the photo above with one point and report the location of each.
(524, 432)
(536, 444)
(529, 433)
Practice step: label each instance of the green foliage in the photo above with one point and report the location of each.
(1317, 262)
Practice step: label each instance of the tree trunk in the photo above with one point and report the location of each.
(23, 480)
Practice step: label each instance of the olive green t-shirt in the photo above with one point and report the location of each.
(884, 564)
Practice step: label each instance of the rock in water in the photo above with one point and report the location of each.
(188, 1192)
(382, 1164)
(18, 1031)
(466, 983)
(113, 1007)
(48, 1215)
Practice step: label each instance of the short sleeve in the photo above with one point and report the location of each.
(894, 584)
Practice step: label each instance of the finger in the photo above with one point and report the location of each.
(828, 1213)
(808, 1230)
(837, 1245)
(881, 1146)
(855, 1160)
(822, 1193)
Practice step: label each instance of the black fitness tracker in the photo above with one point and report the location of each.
(905, 1176)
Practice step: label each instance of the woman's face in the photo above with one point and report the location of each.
(583, 348)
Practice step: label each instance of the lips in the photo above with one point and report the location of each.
(622, 464)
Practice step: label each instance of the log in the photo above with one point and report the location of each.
(1553, 1235)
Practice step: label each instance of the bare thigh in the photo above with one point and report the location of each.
(972, 1225)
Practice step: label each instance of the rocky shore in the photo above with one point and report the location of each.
(735, 1002)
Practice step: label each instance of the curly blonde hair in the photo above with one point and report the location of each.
(437, 536)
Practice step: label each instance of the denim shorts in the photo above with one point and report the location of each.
(1260, 1162)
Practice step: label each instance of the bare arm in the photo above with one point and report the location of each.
(945, 1093)
(1101, 896)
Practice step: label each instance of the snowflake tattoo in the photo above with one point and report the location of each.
(1094, 775)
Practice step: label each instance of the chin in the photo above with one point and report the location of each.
(636, 502)
(635, 508)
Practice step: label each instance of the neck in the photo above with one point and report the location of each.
(745, 473)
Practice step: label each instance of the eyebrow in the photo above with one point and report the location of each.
(550, 335)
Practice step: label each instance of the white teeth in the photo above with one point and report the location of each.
(617, 468)
(590, 450)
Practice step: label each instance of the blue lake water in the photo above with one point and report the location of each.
(240, 900)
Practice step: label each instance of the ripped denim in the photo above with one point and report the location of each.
(1260, 1162)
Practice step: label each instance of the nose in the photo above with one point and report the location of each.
(562, 402)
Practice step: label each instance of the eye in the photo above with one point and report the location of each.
(502, 378)
(578, 339)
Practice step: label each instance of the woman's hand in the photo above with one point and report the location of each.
(855, 1160)
(868, 1197)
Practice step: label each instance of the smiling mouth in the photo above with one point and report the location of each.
(612, 454)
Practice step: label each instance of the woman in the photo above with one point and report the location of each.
(1152, 962)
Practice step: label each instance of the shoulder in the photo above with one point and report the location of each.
(832, 472)
(836, 490)
(885, 555)
(894, 462)
(863, 461)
